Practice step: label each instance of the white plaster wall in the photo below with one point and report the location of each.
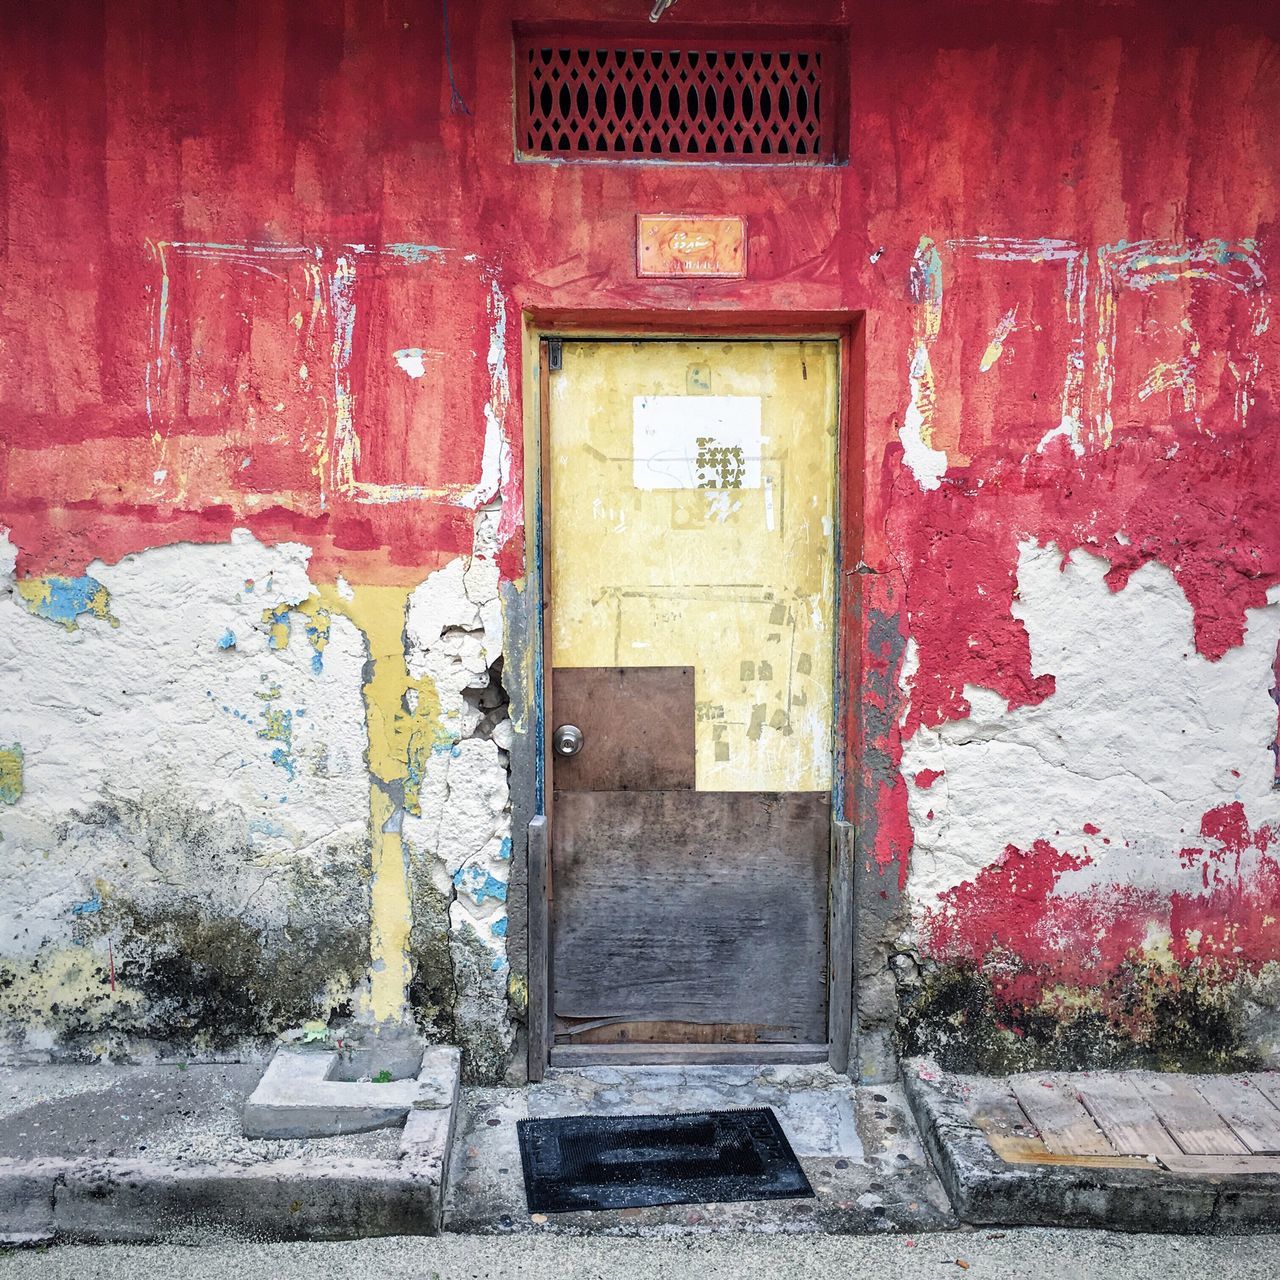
(1141, 737)
(154, 710)
(453, 634)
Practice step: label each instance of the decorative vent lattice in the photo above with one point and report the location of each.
(688, 103)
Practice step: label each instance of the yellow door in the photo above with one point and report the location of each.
(691, 647)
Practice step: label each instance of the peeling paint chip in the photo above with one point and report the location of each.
(11, 773)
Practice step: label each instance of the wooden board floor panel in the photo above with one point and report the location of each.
(1054, 1107)
(1201, 1125)
(1195, 1126)
(1251, 1114)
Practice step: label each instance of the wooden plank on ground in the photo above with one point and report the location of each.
(1125, 1116)
(1054, 1108)
(1268, 1082)
(1009, 1131)
(1192, 1123)
(1253, 1118)
(1221, 1166)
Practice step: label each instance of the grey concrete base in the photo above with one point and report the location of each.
(308, 1093)
(858, 1146)
(288, 1200)
(26, 1201)
(985, 1190)
(156, 1153)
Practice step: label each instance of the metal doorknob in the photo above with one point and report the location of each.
(567, 740)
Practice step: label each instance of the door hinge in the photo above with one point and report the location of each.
(555, 354)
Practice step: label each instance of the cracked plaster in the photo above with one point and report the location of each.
(1142, 736)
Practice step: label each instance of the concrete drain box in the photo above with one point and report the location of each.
(309, 1093)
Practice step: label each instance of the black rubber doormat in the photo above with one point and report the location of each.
(630, 1162)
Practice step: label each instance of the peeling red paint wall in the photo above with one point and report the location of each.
(218, 226)
(1054, 945)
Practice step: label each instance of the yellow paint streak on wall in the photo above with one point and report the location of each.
(403, 721)
(11, 773)
(711, 553)
(71, 978)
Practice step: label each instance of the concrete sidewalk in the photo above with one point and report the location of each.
(103, 1153)
(858, 1146)
(965, 1255)
(156, 1152)
(141, 1153)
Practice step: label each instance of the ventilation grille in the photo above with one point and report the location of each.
(688, 103)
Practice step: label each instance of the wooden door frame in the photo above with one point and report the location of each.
(847, 329)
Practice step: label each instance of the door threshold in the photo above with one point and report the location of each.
(683, 1055)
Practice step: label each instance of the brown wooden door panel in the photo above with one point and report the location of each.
(683, 906)
(637, 727)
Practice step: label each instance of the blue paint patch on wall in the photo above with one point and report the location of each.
(505, 852)
(414, 253)
(499, 928)
(265, 827)
(479, 885)
(280, 756)
(279, 626)
(63, 600)
(91, 907)
(227, 640)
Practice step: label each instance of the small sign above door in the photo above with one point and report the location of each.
(672, 247)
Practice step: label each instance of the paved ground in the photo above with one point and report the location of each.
(147, 1152)
(1013, 1255)
(143, 1153)
(859, 1147)
(172, 1113)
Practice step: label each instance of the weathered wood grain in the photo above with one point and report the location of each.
(1055, 1109)
(706, 907)
(1269, 1083)
(1192, 1123)
(706, 1055)
(625, 1031)
(539, 929)
(1253, 1117)
(1125, 1116)
(1011, 1134)
(840, 932)
(637, 727)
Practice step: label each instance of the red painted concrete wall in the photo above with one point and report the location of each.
(1106, 174)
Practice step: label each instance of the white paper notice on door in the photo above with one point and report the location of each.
(696, 442)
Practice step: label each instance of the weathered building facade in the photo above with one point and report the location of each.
(281, 289)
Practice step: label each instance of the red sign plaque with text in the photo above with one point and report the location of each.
(679, 246)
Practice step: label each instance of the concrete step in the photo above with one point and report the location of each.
(157, 1153)
(999, 1168)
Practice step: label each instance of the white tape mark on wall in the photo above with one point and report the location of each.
(696, 442)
